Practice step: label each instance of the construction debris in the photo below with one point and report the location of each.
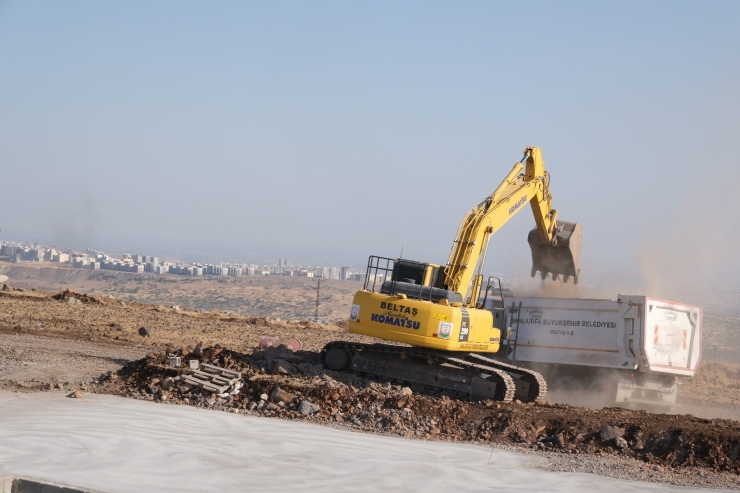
(237, 382)
(212, 378)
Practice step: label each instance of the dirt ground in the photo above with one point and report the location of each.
(34, 361)
(94, 343)
(282, 297)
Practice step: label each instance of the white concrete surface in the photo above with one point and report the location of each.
(121, 445)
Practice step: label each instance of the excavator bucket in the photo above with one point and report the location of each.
(563, 257)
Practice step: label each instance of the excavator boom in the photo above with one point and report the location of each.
(555, 244)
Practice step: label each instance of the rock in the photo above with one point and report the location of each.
(252, 406)
(282, 367)
(210, 401)
(406, 391)
(60, 386)
(517, 402)
(620, 442)
(434, 431)
(610, 432)
(76, 394)
(152, 389)
(278, 395)
(144, 332)
(71, 300)
(558, 440)
(307, 408)
(289, 356)
(168, 382)
(271, 406)
(263, 397)
(212, 352)
(581, 437)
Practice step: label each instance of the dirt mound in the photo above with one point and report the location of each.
(290, 385)
(68, 296)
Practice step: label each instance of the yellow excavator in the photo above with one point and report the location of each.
(444, 338)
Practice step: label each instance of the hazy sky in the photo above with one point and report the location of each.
(329, 131)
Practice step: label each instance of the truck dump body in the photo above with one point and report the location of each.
(643, 341)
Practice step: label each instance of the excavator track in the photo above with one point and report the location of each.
(541, 383)
(385, 360)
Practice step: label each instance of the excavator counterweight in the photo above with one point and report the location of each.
(561, 256)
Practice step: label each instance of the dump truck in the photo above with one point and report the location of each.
(631, 351)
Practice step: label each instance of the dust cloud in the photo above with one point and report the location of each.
(75, 219)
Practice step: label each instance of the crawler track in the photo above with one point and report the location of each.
(457, 366)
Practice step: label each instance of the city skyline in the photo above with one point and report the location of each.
(19, 251)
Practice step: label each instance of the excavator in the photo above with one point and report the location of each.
(441, 337)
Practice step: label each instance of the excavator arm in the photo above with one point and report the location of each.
(555, 244)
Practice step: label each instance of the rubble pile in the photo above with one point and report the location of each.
(278, 382)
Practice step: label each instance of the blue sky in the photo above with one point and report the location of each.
(329, 131)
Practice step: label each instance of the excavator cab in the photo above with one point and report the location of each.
(562, 257)
(416, 280)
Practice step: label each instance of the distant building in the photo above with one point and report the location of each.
(344, 273)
